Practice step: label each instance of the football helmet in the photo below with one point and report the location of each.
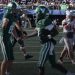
(41, 12)
(11, 7)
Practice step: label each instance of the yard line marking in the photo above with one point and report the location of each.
(35, 52)
(24, 62)
(40, 46)
(27, 62)
(33, 30)
(18, 62)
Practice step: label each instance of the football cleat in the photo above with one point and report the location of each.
(28, 56)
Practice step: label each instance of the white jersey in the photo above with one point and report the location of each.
(67, 25)
(73, 24)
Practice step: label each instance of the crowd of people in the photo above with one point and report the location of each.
(52, 4)
(57, 7)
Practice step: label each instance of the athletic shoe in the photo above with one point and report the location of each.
(28, 56)
(60, 61)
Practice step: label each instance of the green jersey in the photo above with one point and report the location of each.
(8, 30)
(43, 23)
(45, 28)
(42, 33)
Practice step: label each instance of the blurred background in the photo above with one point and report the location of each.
(56, 7)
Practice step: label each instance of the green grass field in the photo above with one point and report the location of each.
(29, 67)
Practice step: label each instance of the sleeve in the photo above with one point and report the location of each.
(6, 15)
(52, 30)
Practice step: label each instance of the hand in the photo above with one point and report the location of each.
(49, 36)
(67, 26)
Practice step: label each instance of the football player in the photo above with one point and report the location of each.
(68, 30)
(46, 32)
(19, 38)
(7, 28)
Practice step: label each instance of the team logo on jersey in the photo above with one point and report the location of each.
(42, 10)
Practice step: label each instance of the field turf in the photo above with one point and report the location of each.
(29, 67)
